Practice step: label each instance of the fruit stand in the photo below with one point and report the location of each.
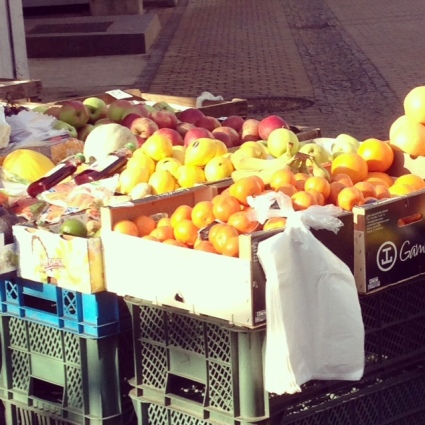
(135, 280)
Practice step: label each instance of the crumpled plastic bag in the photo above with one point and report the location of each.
(4, 129)
(29, 128)
(314, 324)
(206, 96)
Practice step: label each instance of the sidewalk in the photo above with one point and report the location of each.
(334, 64)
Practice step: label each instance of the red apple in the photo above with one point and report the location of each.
(196, 133)
(190, 115)
(210, 123)
(117, 108)
(172, 135)
(270, 123)
(231, 132)
(249, 130)
(234, 121)
(128, 119)
(183, 127)
(143, 127)
(103, 121)
(74, 112)
(138, 109)
(164, 119)
(52, 111)
(225, 138)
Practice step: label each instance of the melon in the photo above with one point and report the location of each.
(26, 165)
(107, 138)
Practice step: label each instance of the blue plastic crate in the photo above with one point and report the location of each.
(93, 315)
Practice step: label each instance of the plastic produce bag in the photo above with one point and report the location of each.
(314, 323)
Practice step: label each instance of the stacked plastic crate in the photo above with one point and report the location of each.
(197, 370)
(66, 356)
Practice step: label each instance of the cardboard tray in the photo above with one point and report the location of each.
(232, 289)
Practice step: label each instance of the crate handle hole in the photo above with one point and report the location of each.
(410, 219)
(47, 391)
(40, 304)
(186, 388)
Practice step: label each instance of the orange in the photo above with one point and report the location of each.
(398, 189)
(240, 221)
(413, 180)
(382, 191)
(145, 224)
(287, 188)
(281, 177)
(245, 187)
(185, 231)
(206, 246)
(127, 227)
(301, 176)
(274, 223)
(319, 184)
(377, 177)
(366, 188)
(213, 229)
(335, 187)
(231, 247)
(150, 238)
(414, 104)
(378, 155)
(174, 242)
(162, 233)
(409, 137)
(349, 197)
(342, 178)
(302, 200)
(318, 196)
(259, 181)
(180, 213)
(224, 206)
(202, 214)
(352, 164)
(221, 235)
(164, 221)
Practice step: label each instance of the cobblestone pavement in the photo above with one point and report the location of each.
(336, 54)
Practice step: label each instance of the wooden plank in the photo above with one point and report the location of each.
(20, 89)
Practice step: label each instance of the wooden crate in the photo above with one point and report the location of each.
(12, 90)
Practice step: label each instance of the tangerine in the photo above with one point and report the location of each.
(366, 188)
(318, 196)
(175, 243)
(352, 164)
(245, 187)
(224, 206)
(241, 222)
(221, 235)
(335, 187)
(319, 184)
(349, 197)
(162, 233)
(378, 177)
(274, 223)
(288, 189)
(382, 191)
(202, 214)
(231, 247)
(378, 155)
(164, 221)
(343, 178)
(145, 224)
(281, 177)
(302, 200)
(185, 231)
(180, 213)
(126, 227)
(206, 246)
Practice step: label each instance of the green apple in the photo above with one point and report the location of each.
(74, 112)
(282, 141)
(317, 151)
(97, 108)
(163, 106)
(344, 143)
(40, 109)
(62, 125)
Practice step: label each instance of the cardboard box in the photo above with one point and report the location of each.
(69, 262)
(13, 90)
(389, 242)
(227, 288)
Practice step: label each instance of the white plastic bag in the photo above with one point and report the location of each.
(314, 323)
(205, 95)
(4, 129)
